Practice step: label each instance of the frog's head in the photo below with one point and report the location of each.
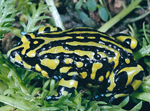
(18, 54)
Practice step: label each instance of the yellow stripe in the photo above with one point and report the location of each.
(120, 95)
(95, 67)
(112, 82)
(35, 42)
(127, 60)
(64, 69)
(41, 30)
(114, 59)
(102, 54)
(127, 50)
(72, 73)
(79, 37)
(101, 78)
(83, 75)
(55, 50)
(68, 60)
(83, 32)
(17, 57)
(38, 68)
(79, 64)
(68, 83)
(107, 74)
(91, 37)
(51, 63)
(31, 53)
(131, 71)
(26, 66)
(44, 73)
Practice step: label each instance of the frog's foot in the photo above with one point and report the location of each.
(52, 98)
(66, 86)
(61, 91)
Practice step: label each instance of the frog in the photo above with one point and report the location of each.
(81, 55)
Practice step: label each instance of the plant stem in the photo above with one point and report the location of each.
(120, 16)
(138, 18)
(55, 14)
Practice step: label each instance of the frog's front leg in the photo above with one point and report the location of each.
(66, 85)
(133, 77)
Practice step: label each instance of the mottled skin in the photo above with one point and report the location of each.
(81, 55)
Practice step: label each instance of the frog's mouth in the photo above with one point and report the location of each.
(14, 57)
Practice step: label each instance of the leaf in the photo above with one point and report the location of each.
(103, 13)
(88, 21)
(2, 87)
(14, 102)
(52, 85)
(7, 14)
(34, 17)
(124, 102)
(6, 108)
(78, 4)
(46, 84)
(141, 95)
(137, 107)
(47, 109)
(92, 5)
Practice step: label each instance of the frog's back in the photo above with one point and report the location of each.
(83, 49)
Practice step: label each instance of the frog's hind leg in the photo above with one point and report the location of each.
(127, 41)
(66, 85)
(133, 81)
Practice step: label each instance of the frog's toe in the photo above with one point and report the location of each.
(112, 99)
(48, 98)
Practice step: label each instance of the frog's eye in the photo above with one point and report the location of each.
(48, 29)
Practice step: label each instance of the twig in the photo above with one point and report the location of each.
(118, 17)
(55, 14)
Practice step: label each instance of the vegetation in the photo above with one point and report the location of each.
(24, 90)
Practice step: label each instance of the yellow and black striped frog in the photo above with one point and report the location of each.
(81, 55)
